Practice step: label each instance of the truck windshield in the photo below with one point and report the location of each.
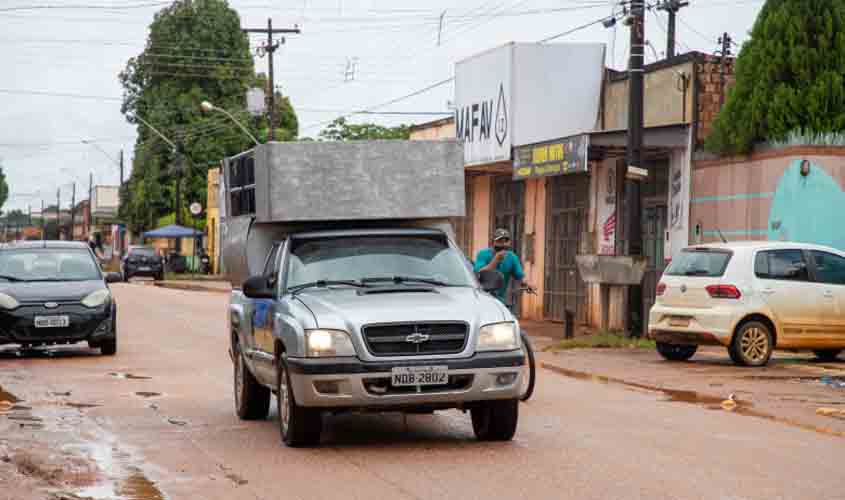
(359, 257)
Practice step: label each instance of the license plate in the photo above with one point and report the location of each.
(679, 321)
(52, 321)
(419, 375)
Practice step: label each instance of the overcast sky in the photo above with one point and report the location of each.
(79, 52)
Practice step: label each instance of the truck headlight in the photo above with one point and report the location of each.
(497, 337)
(328, 344)
(8, 302)
(96, 299)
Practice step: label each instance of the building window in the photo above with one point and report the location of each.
(242, 181)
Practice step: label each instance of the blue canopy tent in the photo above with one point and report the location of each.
(174, 231)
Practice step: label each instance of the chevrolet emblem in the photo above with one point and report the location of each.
(417, 338)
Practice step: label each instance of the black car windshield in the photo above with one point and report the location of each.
(142, 252)
(358, 257)
(48, 264)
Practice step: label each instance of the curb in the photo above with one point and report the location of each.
(191, 287)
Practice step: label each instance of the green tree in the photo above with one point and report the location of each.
(341, 130)
(195, 52)
(790, 77)
(4, 189)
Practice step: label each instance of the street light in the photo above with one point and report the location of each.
(208, 107)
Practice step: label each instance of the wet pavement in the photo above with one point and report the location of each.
(157, 422)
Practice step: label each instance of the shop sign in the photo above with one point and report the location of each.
(558, 157)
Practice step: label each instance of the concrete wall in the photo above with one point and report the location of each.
(534, 258)
(433, 131)
(765, 197)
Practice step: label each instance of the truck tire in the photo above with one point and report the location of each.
(298, 426)
(495, 420)
(109, 347)
(252, 400)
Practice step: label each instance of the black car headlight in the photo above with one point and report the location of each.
(8, 302)
(96, 298)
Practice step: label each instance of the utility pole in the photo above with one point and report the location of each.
(43, 221)
(672, 7)
(726, 41)
(90, 203)
(270, 48)
(58, 213)
(121, 168)
(73, 211)
(178, 209)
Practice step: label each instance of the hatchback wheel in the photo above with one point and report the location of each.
(675, 352)
(752, 344)
(828, 354)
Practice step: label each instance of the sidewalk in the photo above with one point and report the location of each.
(196, 286)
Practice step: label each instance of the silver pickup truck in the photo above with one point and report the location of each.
(373, 320)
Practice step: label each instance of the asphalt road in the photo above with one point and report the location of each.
(161, 425)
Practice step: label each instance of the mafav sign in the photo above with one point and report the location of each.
(483, 106)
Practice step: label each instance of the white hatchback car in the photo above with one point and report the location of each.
(751, 297)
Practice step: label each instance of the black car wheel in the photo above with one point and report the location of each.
(108, 347)
(495, 420)
(675, 352)
(828, 354)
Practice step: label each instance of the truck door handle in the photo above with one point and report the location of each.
(828, 294)
(767, 291)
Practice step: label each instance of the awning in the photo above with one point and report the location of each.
(656, 140)
(172, 231)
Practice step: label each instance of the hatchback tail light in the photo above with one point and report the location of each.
(661, 289)
(724, 292)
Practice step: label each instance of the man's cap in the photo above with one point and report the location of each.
(501, 234)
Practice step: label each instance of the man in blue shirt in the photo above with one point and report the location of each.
(501, 258)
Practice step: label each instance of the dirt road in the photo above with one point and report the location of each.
(156, 421)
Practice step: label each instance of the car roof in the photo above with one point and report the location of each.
(764, 245)
(59, 244)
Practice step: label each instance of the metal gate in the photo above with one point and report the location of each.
(566, 207)
(509, 213)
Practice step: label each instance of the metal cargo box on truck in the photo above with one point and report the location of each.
(277, 188)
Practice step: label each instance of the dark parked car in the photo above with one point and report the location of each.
(53, 292)
(142, 261)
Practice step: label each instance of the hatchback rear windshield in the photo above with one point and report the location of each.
(142, 252)
(705, 263)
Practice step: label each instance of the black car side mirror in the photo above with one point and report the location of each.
(113, 278)
(258, 287)
(491, 280)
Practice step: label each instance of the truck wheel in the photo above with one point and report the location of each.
(252, 400)
(674, 352)
(298, 426)
(495, 420)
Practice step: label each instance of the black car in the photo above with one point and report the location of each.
(53, 292)
(142, 261)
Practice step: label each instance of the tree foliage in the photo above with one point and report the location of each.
(195, 52)
(790, 77)
(4, 189)
(341, 130)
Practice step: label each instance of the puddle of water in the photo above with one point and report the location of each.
(129, 376)
(124, 481)
(145, 394)
(710, 402)
(82, 406)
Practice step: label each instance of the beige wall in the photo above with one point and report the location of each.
(481, 213)
(535, 229)
(435, 132)
(664, 99)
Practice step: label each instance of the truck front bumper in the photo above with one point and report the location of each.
(353, 384)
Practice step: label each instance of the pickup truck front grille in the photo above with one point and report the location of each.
(414, 339)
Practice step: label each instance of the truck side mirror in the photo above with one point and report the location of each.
(258, 287)
(491, 280)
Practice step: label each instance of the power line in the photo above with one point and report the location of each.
(60, 94)
(84, 6)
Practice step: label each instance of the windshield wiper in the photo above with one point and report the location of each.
(10, 278)
(403, 279)
(323, 284)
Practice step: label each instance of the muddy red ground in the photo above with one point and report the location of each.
(156, 421)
